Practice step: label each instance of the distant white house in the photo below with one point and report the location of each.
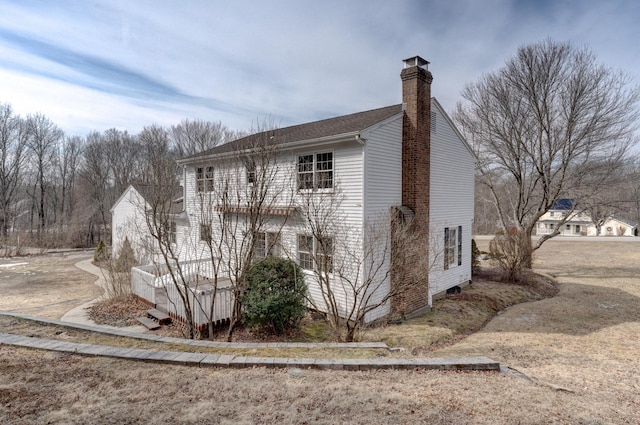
(567, 220)
(614, 226)
(128, 221)
(406, 157)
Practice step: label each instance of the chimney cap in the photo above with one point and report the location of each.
(416, 61)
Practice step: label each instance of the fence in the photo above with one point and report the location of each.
(200, 302)
(155, 285)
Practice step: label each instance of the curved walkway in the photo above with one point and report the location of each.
(78, 318)
(79, 314)
(226, 360)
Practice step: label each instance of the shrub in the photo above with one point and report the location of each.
(475, 261)
(127, 257)
(275, 295)
(100, 253)
(512, 253)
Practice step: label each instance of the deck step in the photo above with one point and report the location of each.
(150, 324)
(162, 318)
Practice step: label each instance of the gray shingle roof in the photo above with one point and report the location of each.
(324, 128)
(172, 196)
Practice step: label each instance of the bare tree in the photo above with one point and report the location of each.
(96, 188)
(68, 158)
(253, 190)
(122, 152)
(12, 157)
(241, 193)
(43, 140)
(540, 125)
(352, 265)
(192, 137)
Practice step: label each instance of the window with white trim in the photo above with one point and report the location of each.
(251, 172)
(449, 247)
(204, 179)
(459, 245)
(205, 232)
(305, 252)
(268, 244)
(315, 254)
(170, 232)
(315, 171)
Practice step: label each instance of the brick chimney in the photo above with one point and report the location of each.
(416, 138)
(416, 152)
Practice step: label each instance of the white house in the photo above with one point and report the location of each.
(128, 221)
(571, 221)
(406, 159)
(614, 226)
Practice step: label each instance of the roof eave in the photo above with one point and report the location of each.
(318, 141)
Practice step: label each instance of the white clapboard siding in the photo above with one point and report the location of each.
(128, 222)
(348, 192)
(451, 199)
(382, 189)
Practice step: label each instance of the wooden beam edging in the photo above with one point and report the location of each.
(198, 342)
(222, 360)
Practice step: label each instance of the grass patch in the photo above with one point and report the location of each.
(452, 318)
(456, 316)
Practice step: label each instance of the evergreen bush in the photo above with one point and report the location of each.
(127, 258)
(275, 295)
(100, 253)
(475, 260)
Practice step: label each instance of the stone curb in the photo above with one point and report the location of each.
(229, 361)
(199, 343)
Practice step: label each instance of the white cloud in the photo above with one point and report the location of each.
(297, 61)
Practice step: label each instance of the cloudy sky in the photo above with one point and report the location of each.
(94, 65)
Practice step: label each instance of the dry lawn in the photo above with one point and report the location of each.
(578, 352)
(45, 285)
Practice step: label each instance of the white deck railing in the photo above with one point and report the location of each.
(148, 282)
(200, 302)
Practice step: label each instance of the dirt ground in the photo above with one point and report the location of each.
(45, 285)
(577, 355)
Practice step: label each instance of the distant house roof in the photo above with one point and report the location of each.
(151, 192)
(564, 204)
(628, 222)
(325, 128)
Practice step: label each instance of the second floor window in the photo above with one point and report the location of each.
(204, 179)
(315, 171)
(251, 172)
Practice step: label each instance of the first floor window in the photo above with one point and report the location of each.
(449, 247)
(315, 254)
(170, 231)
(204, 179)
(459, 245)
(577, 229)
(324, 254)
(268, 244)
(205, 232)
(305, 251)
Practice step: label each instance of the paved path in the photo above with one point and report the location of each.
(226, 360)
(79, 314)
